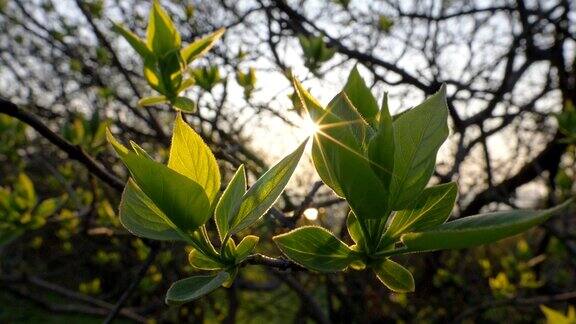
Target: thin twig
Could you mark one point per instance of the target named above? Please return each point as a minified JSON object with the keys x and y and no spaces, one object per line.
{"x":155,"y":248}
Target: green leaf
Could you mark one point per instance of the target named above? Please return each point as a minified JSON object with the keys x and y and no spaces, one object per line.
{"x":191,"y":157}
{"x":24,"y":188}
{"x":199,"y":47}
{"x":137,"y":44}
{"x":200,"y":261}
{"x":478,"y":229}
{"x":395,"y":276}
{"x":432,"y":209}
{"x":230,"y":201}
{"x":152,"y":101}
{"x":161,"y":35}
{"x":315,"y":248}
{"x":120,"y":149}
{"x":354,"y":229}
{"x":263,"y":194}
{"x":192,"y":288}
{"x":187,"y":83}
{"x":418,"y":134}
{"x":141,"y":217}
{"x":361,"y":96}
{"x":47,"y":207}
{"x":319,"y":116}
{"x":246,"y":247}
{"x":336,"y":150}
{"x":342,"y":108}
{"x":381,"y":147}
{"x":178,"y":197}
{"x":184,"y":104}
{"x":153,"y":76}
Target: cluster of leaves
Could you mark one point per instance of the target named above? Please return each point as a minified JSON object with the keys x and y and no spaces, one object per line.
{"x":381,"y":165}
{"x":557,"y":317}
{"x":12,"y":135}
{"x":88,"y":133}
{"x":165,"y":61}
{"x":247,"y":81}
{"x":21,"y":210}
{"x":175,"y":202}
{"x":316,"y":52}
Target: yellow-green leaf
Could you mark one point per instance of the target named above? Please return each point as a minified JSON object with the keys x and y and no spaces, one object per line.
{"x":161,"y":35}
{"x":191,"y":157}
{"x":201,"y":46}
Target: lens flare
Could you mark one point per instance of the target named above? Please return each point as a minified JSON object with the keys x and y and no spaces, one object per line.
{"x":311,"y":214}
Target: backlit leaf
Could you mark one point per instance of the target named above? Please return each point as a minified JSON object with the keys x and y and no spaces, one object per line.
{"x":478,"y":229}
{"x":418,"y":134}
{"x":230,"y":201}
{"x":192,"y":288}
{"x":395,"y":276}
{"x":263,"y":194}
{"x":315,"y":248}
{"x":191,"y":157}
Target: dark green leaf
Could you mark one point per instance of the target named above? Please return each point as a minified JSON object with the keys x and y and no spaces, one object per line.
{"x":263,"y":194}
{"x":192,"y":288}
{"x":245,"y":247}
{"x":432,"y":209}
{"x":418,"y":134}
{"x":200,"y":261}
{"x":141,"y":217}
{"x":478,"y":229}
{"x":381,"y":147}
{"x":315,"y":248}
{"x":361,"y":96}
{"x":184,"y":104}
{"x":395,"y":276}
{"x":230,"y":201}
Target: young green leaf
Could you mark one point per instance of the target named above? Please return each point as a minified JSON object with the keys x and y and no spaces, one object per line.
{"x":381,"y":147}
{"x":178,"y":197}
{"x":395,"y":276}
{"x":47,"y":207}
{"x":245,"y":247}
{"x":137,"y":44}
{"x":336,"y":150}
{"x":354,"y":229}
{"x":230,"y":201}
{"x":321,"y":117}
{"x":361,"y":96}
{"x":161,"y":35}
{"x":184,"y":104}
{"x":341,"y":107}
{"x":201,"y":46}
{"x":191,"y":157}
{"x":192,"y":288}
{"x":141,"y":217}
{"x":263,"y":194}
{"x":418,"y":134}
{"x":315,"y":248}
{"x":200,"y":261}
{"x":152,"y":101}
{"x":478,"y":229}
{"x":432,"y":209}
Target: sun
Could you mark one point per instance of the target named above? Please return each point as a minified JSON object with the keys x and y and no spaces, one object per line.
{"x":310,"y":128}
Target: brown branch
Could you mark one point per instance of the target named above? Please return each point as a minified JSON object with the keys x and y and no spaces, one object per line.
{"x":74,"y":152}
